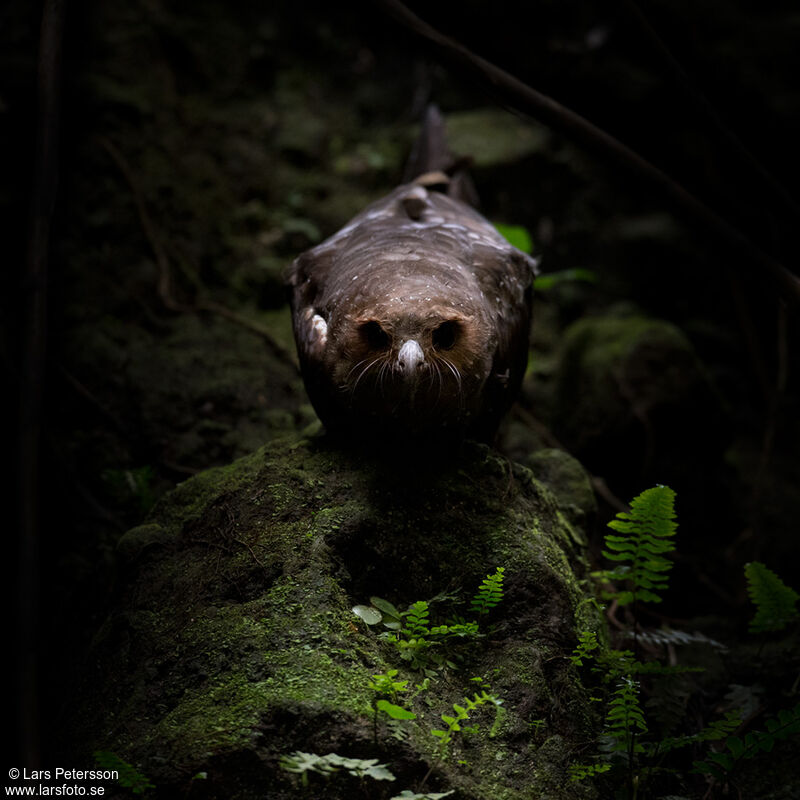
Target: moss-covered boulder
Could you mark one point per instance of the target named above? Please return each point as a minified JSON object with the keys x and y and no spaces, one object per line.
{"x":631,"y":389}
{"x":233,"y":641}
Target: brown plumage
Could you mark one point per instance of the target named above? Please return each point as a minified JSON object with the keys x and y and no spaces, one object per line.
{"x":413,"y":319}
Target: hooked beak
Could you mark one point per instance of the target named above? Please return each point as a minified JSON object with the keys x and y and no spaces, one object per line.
{"x":410,"y":358}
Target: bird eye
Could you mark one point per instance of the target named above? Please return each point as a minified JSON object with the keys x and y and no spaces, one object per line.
{"x":444,"y":337}
{"x":375,"y":336}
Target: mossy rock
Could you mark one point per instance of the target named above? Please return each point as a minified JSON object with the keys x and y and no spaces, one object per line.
{"x":233,"y":640}
{"x":633,"y":386}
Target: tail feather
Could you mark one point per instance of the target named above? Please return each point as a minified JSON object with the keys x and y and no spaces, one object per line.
{"x":433,"y":163}
{"x":430,"y":152}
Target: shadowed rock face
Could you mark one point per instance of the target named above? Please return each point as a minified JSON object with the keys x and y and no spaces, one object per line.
{"x":232,"y":640}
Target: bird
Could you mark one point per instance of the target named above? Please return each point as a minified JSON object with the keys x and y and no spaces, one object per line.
{"x":412,"y":322}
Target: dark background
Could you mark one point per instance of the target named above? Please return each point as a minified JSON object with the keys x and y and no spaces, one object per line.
{"x":214,"y":141}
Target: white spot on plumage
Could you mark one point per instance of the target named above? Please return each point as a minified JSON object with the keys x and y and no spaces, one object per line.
{"x":320,"y":329}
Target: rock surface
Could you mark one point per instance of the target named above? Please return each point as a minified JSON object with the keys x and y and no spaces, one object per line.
{"x":232,"y":640}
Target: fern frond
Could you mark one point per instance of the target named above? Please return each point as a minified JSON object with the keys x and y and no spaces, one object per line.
{"x":775,"y":602}
{"x":720,"y":764}
{"x":417,"y":619}
{"x":625,"y":718}
{"x":587,"y":642}
{"x":646,"y":537}
{"x":489,"y":593}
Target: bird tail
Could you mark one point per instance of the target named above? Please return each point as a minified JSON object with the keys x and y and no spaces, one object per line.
{"x":432,"y":164}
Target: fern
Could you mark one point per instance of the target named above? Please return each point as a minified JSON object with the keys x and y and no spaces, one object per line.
{"x":713,"y":732}
{"x":646,"y":537}
{"x":417,"y":619}
{"x":462,"y":713}
{"x":775,"y":602}
{"x":489,"y":593}
{"x":721,"y":763}
{"x":625,"y":718}
{"x":587,"y":642}
{"x":302,"y":763}
{"x":580,"y":772}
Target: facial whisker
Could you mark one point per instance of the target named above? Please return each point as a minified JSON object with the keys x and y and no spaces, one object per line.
{"x":364,"y":371}
{"x":354,"y":368}
{"x":382,"y":376}
{"x":441,"y":382}
{"x":454,"y":369}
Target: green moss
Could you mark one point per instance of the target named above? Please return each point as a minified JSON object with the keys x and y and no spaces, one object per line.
{"x":616,"y":374}
{"x":237,"y":618}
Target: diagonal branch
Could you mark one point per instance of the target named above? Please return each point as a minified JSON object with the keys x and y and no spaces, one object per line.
{"x":573,"y":126}
{"x":704,"y":106}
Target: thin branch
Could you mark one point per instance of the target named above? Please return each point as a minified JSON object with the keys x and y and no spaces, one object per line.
{"x":580,"y":130}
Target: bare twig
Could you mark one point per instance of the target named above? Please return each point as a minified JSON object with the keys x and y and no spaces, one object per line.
{"x":573,"y":126}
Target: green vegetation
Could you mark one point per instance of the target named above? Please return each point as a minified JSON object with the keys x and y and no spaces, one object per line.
{"x":546,"y":283}
{"x":462,"y":713}
{"x":415,"y":638}
{"x":775,"y":602}
{"x":302,"y":763}
{"x":721,"y":764}
{"x":425,"y":646}
{"x":516,"y":235}
{"x":643,"y":541}
{"x":129,"y":776}
{"x":489,"y":594}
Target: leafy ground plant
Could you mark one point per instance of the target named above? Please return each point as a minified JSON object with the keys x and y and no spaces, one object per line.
{"x":423,"y":645}
{"x":721,"y":764}
{"x":302,"y":764}
{"x":642,"y":542}
{"x":386,"y":690}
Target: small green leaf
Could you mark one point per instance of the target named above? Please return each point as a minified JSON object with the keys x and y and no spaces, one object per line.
{"x":785,"y":716}
{"x":385,"y":606}
{"x":370,"y":615}
{"x":395,"y":711}
{"x":543,"y":283}
{"x":516,"y":236}
{"x":766,"y":742}
{"x":735,"y":745}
